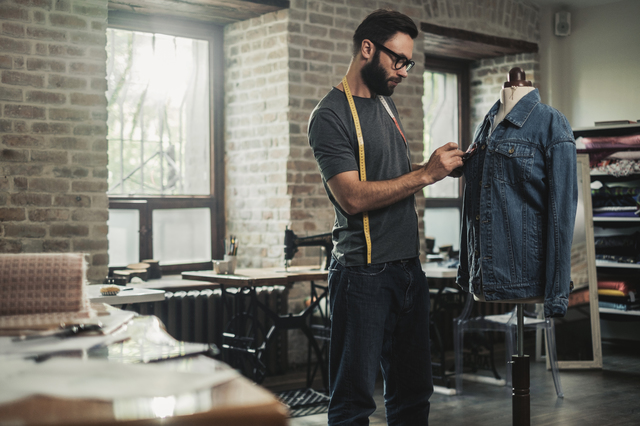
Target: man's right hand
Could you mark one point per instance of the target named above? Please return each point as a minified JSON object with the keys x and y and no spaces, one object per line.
{"x":443,"y":162}
{"x":356,"y":196}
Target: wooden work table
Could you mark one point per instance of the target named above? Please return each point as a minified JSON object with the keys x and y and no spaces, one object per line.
{"x":249,"y":280}
{"x":255,"y":277}
{"x":235,"y":401}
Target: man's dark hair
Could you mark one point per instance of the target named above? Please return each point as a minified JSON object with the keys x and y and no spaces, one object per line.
{"x":381,"y":25}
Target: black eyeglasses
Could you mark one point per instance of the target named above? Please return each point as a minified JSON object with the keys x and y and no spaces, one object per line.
{"x":401,"y":61}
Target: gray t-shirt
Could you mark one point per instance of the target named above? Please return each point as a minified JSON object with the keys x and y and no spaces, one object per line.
{"x":332,"y":135}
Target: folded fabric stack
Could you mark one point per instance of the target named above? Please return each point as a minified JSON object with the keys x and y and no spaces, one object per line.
{"x":618,"y":166}
{"x":621,"y":199}
{"x":42,"y":290}
{"x":610,"y":148}
{"x":620,"y":295}
{"x":618,"y":248}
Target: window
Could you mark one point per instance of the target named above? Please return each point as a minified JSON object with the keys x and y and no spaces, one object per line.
{"x":446,"y":119}
{"x":164,"y":133}
{"x":158,"y":114}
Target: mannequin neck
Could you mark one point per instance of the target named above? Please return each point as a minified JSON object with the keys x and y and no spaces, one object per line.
{"x":510,"y":96}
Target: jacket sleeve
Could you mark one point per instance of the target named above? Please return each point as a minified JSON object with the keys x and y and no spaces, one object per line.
{"x":562,"y":203}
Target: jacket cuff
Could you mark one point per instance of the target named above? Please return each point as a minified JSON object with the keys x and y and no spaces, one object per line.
{"x":556,"y":307}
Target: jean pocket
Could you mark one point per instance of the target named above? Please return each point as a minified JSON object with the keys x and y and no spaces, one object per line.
{"x":367,"y":270}
{"x":513,"y":162}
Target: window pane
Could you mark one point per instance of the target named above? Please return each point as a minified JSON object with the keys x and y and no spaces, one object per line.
{"x":443,"y":225}
{"x":182,"y":235}
{"x":123,"y":236}
{"x":158,"y":105}
{"x":440,"y":104}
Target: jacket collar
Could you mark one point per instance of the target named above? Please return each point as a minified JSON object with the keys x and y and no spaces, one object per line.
{"x":521,"y":111}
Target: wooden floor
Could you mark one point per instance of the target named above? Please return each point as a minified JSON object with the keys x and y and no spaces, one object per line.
{"x":610,"y":396}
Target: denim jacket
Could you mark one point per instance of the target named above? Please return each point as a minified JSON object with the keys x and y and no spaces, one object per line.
{"x":519,"y":207}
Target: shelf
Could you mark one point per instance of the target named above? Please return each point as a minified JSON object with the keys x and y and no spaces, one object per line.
{"x":617,"y":130}
{"x":616,"y":219}
{"x":606,"y":264}
{"x":596,"y":173}
{"x":619,"y":312}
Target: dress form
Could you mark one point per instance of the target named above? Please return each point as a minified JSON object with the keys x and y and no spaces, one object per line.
{"x":512,"y":91}
{"x":515,"y":88}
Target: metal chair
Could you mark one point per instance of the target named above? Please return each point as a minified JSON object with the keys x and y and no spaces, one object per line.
{"x":506,"y":323}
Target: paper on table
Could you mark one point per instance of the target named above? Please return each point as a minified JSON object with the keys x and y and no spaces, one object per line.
{"x":100,"y":379}
{"x":49,"y":345}
{"x":52,"y":345}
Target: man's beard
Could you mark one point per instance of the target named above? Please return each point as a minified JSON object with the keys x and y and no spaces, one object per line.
{"x":376,"y":78}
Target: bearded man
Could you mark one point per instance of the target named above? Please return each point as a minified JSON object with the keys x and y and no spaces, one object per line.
{"x":379,"y":297}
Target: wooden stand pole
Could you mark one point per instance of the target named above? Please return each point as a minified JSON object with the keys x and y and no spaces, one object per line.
{"x":521,"y":403}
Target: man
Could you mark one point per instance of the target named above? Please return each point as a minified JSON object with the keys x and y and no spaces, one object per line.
{"x":379,"y":297}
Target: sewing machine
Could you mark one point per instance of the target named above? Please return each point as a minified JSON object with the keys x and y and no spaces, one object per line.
{"x":292,"y":242}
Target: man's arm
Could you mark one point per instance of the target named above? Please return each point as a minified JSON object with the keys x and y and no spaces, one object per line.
{"x":356,"y":197}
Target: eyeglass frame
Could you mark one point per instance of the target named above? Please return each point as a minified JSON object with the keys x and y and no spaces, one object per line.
{"x":408,"y":63}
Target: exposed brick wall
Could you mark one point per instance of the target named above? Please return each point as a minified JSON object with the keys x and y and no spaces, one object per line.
{"x":257,"y":137}
{"x":488,"y":76}
{"x":53,"y":150}
{"x":503,"y":18}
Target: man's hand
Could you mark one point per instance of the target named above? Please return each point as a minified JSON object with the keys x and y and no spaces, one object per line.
{"x":355,"y":196}
{"x":442,"y":162}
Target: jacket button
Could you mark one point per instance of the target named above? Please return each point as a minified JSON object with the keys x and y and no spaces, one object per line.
{"x":483,"y":146}
{"x":511,"y":151}
{"x":477,"y":217}
{"x":476,"y":252}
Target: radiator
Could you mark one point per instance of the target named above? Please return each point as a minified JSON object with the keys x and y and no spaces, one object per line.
{"x":193,"y":316}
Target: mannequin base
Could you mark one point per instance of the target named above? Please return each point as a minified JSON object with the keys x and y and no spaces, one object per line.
{"x":521,"y":402}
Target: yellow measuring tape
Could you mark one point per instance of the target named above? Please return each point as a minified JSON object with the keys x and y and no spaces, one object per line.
{"x":363,"y":171}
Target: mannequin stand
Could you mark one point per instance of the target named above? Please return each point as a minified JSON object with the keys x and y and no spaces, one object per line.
{"x":521,"y":403}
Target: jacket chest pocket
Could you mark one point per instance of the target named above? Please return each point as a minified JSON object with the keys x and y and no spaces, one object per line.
{"x":513,"y":162}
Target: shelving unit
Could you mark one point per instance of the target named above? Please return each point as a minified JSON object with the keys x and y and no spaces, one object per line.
{"x":614,"y":225}
{"x":618,"y":219}
{"x":605,"y":264}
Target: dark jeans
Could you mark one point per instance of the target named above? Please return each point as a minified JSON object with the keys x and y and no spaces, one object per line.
{"x":379,"y":318}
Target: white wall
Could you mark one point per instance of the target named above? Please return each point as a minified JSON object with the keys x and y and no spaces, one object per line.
{"x":594,"y":73}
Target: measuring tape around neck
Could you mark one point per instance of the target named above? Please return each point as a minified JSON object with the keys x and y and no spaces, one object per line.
{"x":363,"y":172}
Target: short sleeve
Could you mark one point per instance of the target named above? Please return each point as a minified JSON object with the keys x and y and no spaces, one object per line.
{"x":332,"y":145}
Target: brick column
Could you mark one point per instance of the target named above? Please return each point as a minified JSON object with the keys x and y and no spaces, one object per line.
{"x":53,"y":147}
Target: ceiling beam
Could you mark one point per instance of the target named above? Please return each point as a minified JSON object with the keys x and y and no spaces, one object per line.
{"x":463,"y":44}
{"x":215,"y":11}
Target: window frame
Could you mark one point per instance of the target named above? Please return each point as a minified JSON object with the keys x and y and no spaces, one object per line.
{"x":460,"y":67}
{"x":215,"y":201}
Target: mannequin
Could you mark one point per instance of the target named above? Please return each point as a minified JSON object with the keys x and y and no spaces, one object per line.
{"x":515,"y":88}
{"x":520,"y":200}
{"x":519,"y":206}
